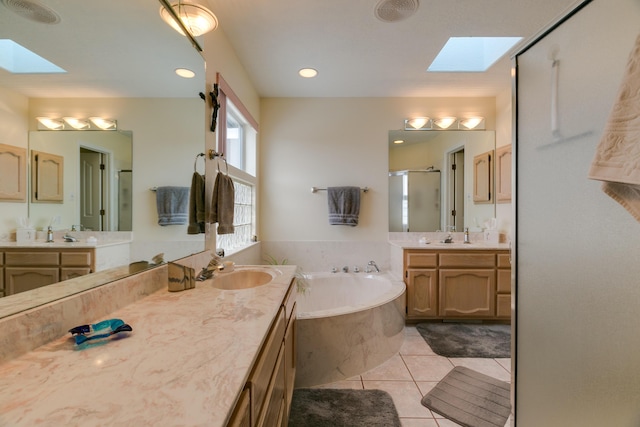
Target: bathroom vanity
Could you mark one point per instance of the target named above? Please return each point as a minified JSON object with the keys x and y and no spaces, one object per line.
{"x":203,"y":356}
{"x":457,"y":281}
{"x":24,"y":267}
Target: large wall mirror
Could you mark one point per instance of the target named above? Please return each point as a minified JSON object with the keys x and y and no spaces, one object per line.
{"x":120,"y":60}
{"x":434,"y":177}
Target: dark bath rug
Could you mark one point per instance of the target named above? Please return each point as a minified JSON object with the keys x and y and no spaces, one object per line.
{"x":467,"y":340}
{"x":322,"y":407}
{"x":470,"y":398}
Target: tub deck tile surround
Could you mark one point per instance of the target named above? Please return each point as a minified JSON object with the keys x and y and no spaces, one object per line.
{"x":185,"y":362}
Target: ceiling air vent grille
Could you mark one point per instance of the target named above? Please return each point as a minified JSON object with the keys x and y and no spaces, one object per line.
{"x":32,"y":10}
{"x":395,"y":10}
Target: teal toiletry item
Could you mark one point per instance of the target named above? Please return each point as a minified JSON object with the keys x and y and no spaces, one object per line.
{"x":99,"y":330}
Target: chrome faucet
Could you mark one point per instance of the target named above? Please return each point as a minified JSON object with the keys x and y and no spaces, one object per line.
{"x":214,"y":265}
{"x":371,"y":267}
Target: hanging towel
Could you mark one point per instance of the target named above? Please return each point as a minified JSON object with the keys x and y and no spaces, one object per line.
{"x":344,"y":205}
{"x":617,"y":158}
{"x":196,"y":205}
{"x":222,"y":203}
{"x":172,"y":204}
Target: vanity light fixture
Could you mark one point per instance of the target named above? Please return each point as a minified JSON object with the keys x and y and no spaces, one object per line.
{"x":444,"y":122}
{"x":77,"y":124}
{"x":197,"y":19}
{"x":471,"y":123}
{"x":308,"y":72}
{"x":417,"y":123}
{"x":50,"y":124}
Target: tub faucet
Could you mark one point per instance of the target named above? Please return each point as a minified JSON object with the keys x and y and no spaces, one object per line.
{"x":371,"y":267}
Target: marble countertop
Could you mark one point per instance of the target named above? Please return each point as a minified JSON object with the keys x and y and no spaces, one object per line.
{"x":61,"y":244}
{"x":185,"y":362}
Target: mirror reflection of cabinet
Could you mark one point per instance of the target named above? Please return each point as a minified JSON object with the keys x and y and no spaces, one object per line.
{"x":482,"y":178}
{"x":503,"y":174}
{"x":47,"y":183}
{"x":13,"y":173}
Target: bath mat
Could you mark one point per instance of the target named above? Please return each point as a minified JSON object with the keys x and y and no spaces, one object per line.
{"x":470,"y":398}
{"x":321,"y":407}
{"x":467,"y":339}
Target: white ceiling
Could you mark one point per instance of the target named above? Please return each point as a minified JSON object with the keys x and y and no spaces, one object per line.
{"x":121,"y":48}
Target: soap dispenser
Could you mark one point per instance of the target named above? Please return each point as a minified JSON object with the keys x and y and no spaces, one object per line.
{"x":49,"y":235}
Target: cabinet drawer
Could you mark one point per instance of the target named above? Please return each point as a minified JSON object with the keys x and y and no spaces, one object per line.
{"x":265,"y":365}
{"x":32,"y":258}
{"x":1,"y":258}
{"x":467,"y":260}
{"x":503,"y":261}
{"x":421,"y":259}
{"x":75,"y":259}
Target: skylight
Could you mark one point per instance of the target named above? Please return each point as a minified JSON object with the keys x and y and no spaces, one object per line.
{"x":20,"y":60}
{"x":471,"y":54}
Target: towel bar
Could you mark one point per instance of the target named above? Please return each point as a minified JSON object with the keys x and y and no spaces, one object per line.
{"x":316,"y":189}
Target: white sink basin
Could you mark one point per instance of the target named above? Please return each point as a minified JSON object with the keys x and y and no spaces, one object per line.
{"x":241,"y":279}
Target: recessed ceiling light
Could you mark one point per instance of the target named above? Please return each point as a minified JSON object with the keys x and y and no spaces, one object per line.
{"x":184,"y":72}
{"x":20,"y":60}
{"x":308,"y":72}
{"x":398,"y":141}
{"x":471,"y":54}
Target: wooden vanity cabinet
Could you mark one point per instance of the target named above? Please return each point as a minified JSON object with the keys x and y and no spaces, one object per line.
{"x":266,"y":398}
{"x":2,"y":274}
{"x":457,"y":284}
{"x":27,"y":269}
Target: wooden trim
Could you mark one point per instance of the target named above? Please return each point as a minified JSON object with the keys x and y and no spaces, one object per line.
{"x":224,"y":87}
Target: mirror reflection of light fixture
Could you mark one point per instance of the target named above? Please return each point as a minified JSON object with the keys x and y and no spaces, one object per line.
{"x":471,"y":123}
{"x":77,"y":124}
{"x":417,"y":123}
{"x":444,"y":122}
{"x":74,"y":123}
{"x":197,"y":19}
{"x":51,"y":124}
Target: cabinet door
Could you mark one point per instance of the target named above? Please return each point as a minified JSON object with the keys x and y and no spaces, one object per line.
{"x":483,"y":178}
{"x":467,"y":293}
{"x":13,"y":173}
{"x":67,"y":273}
{"x":20,"y":279}
{"x":47,"y":177}
{"x":503,"y":174}
{"x":422,"y":298}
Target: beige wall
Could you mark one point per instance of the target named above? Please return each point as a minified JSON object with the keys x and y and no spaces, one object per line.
{"x":307,"y":142}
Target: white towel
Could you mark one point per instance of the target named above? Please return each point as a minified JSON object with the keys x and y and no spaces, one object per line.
{"x":617,"y":158}
{"x":172,"y":204}
{"x":344,"y":205}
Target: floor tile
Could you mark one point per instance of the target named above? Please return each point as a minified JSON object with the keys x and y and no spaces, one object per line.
{"x":392,"y":369}
{"x":346,"y":384}
{"x":428,"y":368}
{"x":405,"y":395}
{"x":415,"y":345}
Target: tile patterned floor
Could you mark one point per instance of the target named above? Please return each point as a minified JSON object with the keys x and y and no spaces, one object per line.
{"x":410,"y":375}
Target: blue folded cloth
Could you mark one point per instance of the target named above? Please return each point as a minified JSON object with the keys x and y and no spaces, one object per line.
{"x":173,"y":205}
{"x":344,"y":205}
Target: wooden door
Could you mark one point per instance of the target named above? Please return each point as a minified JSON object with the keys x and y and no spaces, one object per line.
{"x":91,"y":194}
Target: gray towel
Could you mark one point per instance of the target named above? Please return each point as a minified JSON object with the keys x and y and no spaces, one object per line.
{"x":344,"y":205}
{"x":222,"y":203}
{"x":172,"y":204}
{"x":196,"y":205}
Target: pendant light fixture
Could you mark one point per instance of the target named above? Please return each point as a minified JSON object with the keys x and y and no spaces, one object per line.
{"x":196,"y":18}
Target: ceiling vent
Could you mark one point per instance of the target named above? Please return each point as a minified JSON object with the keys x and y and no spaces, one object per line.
{"x":32,"y":10}
{"x":395,"y":10}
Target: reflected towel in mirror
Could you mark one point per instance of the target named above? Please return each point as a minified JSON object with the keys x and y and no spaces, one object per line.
{"x":344,"y":205}
{"x":196,"y":205}
{"x":172,"y":204}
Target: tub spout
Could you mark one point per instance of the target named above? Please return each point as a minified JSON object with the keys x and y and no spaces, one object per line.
{"x":371,"y":267}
